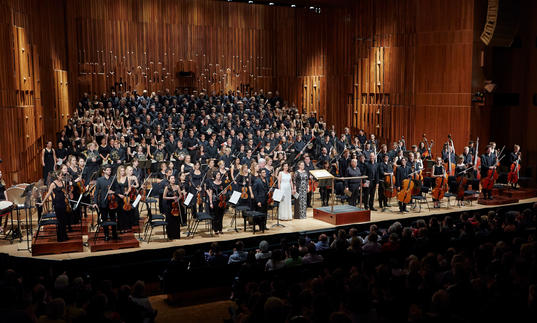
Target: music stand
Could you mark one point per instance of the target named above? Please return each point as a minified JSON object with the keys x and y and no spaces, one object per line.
{"x":277,"y":197}
{"x":322,"y":175}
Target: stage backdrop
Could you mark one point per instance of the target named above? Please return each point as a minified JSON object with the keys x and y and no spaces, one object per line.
{"x":394,"y":68}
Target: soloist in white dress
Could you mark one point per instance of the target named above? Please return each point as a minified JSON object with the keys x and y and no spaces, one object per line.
{"x":284,"y":209}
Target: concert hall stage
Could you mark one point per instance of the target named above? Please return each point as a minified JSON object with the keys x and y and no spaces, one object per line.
{"x":160,"y":245}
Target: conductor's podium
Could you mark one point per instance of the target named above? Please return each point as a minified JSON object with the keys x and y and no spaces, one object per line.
{"x":341,"y":214}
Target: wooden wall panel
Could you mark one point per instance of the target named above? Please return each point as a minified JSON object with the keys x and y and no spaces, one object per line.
{"x":33,"y":34}
{"x":394,"y":68}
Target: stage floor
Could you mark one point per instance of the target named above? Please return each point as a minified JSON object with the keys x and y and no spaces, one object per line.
{"x":158,"y":241}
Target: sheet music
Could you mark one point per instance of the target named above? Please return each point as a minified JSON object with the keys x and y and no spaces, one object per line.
{"x":235,"y":196}
{"x":277,"y":195}
{"x":188,"y":199}
{"x":136,"y":201}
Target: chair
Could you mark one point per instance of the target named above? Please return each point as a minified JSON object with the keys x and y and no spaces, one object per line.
{"x":241,"y":209}
{"x":202,"y":217}
{"x":150,"y":219}
{"x":449,"y":195}
{"x":256,"y":216}
{"x":418,"y":200}
{"x":157,"y":221}
{"x":470,"y":193}
{"x":46,"y":219}
{"x":101,"y":224}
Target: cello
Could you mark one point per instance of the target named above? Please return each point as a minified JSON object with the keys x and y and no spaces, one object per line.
{"x":405,"y":194}
{"x":441,"y":187}
{"x":512,"y":177}
{"x":389,"y":186}
{"x":492,"y":175}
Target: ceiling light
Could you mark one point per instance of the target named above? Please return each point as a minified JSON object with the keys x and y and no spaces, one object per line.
{"x":271,"y":4}
{"x":293,"y":6}
{"x":312,"y":7}
{"x":250,"y":2}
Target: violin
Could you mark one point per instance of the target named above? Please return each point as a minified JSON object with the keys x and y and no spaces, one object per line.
{"x":113,"y":202}
{"x":129,"y":197}
{"x":175,"y":211}
{"x":312,"y":185}
{"x":244,"y":194}
{"x":512,"y":177}
{"x":67,"y":204}
{"x":81,"y":186}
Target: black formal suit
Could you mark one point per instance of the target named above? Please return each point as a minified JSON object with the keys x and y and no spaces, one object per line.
{"x":260,"y":190}
{"x":372,"y":173}
{"x":100,"y":198}
{"x":353,"y":184}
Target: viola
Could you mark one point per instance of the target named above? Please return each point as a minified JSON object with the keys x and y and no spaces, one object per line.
{"x":441,"y":187}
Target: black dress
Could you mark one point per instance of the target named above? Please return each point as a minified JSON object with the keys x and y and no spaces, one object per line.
{"x":60,"y":208}
{"x":124,"y":217}
{"x":217,"y":212}
{"x":173,"y":227}
{"x":49,"y":163}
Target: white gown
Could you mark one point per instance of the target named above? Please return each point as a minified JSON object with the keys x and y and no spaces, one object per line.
{"x":284,"y":209}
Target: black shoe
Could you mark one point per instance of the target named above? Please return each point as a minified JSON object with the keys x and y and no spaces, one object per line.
{"x":406,"y":211}
{"x":388,"y":205}
{"x":373,"y":209}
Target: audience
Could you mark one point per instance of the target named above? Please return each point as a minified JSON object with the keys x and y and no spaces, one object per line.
{"x":472,"y":268}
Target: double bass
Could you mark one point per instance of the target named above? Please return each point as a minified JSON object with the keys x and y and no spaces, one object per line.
{"x":428,"y":145}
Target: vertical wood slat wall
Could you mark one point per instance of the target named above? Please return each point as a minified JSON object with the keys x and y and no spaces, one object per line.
{"x":31,"y":32}
{"x":325,"y":63}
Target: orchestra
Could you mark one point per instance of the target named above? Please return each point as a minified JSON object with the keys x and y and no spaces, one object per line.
{"x":210,"y":146}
